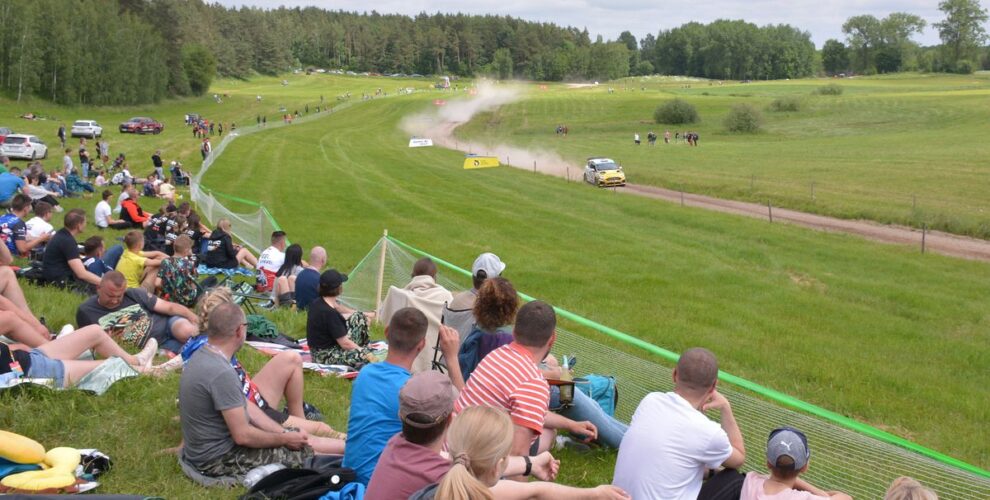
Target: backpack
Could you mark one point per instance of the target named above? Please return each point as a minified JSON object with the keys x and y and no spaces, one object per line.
{"x":300,"y":484}
{"x":602,"y":389}
{"x":469,"y":355}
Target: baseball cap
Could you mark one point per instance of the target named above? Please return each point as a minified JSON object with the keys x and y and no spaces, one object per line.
{"x":789,"y":442}
{"x":490,"y":263}
{"x":331,"y":278}
{"x":428,"y":393}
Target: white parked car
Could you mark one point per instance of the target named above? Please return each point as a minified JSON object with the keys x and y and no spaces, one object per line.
{"x":27,"y":147}
{"x":86,"y":128}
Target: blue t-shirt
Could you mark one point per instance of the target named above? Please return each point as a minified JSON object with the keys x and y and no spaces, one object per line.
{"x":96,"y":266}
{"x":307,"y":284}
{"x":12,"y":230}
{"x":9,"y":184}
{"x":374,"y":416}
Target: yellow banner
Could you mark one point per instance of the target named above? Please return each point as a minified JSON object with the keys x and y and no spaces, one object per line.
{"x":472,"y":162}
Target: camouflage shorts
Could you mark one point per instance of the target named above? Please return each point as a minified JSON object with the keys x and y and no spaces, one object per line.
{"x":239,"y":460}
{"x":357,"y":330}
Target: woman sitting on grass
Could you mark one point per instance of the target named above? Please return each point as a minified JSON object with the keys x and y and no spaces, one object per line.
{"x":284,"y":290}
{"x":222,"y":253}
{"x":334,"y":340}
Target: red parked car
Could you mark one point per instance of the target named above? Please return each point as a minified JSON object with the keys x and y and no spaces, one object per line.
{"x":4,"y":132}
{"x":141,"y":125}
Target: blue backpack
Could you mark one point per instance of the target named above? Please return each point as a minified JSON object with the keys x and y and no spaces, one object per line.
{"x":602,"y":389}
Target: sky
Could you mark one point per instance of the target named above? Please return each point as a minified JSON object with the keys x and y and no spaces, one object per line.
{"x":823,"y":18}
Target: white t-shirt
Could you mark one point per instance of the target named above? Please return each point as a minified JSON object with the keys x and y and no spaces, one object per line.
{"x":166,"y":190}
{"x":37,"y":227}
{"x":102,"y":213}
{"x":667,"y":448}
{"x":271,"y":259}
{"x":120,"y":199}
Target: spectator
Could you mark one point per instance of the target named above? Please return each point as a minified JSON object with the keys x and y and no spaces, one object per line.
{"x":61,"y":134}
{"x":137,"y":314}
{"x":494,"y":313}
{"x":423,"y":293}
{"x":40,"y":226}
{"x":220,"y":439}
{"x":178,"y":274}
{"x":906,"y":488}
{"x":10,"y":184}
{"x":39,"y":193}
{"x":332,"y":339}
{"x":480,"y":440}
{"x":158,"y":164}
{"x":13,"y":230}
{"x":374,"y":415}
{"x":284,"y":291}
{"x":93,"y":253}
{"x":166,"y":191}
{"x":671,"y":443}
{"x":130,"y":211}
{"x":154,"y":230}
{"x":139,"y":268}
{"x":175,"y":226}
{"x":14,"y":307}
{"x":101,"y":179}
{"x":84,"y":161}
{"x":787,"y":458}
{"x":459,"y":313}
{"x":271,"y":259}
{"x":308,"y":280}
{"x":67,"y":165}
{"x":222,"y":253}
{"x":61,"y":264}
{"x":509,"y":379}
{"x":104,"y":215}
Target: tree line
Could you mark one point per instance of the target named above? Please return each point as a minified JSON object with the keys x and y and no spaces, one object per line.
{"x":137,"y":51}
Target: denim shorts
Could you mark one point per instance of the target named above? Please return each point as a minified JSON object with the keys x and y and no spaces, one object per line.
{"x":44,"y":367}
{"x":170,"y":343}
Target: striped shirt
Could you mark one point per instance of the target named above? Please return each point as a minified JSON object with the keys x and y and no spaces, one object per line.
{"x":508,"y":378}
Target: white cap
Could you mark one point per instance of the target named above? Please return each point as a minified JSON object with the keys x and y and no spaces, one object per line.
{"x":490,"y":263}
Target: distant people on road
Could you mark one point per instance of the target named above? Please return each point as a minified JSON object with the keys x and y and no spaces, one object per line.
{"x":636,"y":138}
{"x":666,"y":137}
{"x":652,"y":138}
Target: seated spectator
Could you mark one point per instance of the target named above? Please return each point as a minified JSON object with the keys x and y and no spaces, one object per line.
{"x":131,"y":212}
{"x":178,"y":274}
{"x":61,"y":264}
{"x":101,"y":179}
{"x":58,"y":359}
{"x":166,"y":191}
{"x":906,"y":488}
{"x":93,"y":256}
{"x":219,"y":438}
{"x":104,"y":214}
{"x":221,"y":252}
{"x":151,"y":186}
{"x":494,"y":312}
{"x":122,"y":196}
{"x":670,"y":443}
{"x":480,"y":441}
{"x":459,"y":313}
{"x":39,"y":227}
{"x":154,"y":230}
{"x":17,"y":322}
{"x":75,"y":185}
{"x":10,"y":184}
{"x":509,"y":379}
{"x":13,"y":230}
{"x":139,"y":268}
{"x":198,"y":231}
{"x":308,"y":280}
{"x":133,"y":312}
{"x":284,"y":291}
{"x":271,"y":259}
{"x":179,"y":178}
{"x":38,"y":193}
{"x":332,"y":339}
{"x":787,"y":458}
{"x":175,"y":226}
{"x":424,"y":294}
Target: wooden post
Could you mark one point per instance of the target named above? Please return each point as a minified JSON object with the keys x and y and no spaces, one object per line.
{"x":924,"y":232}
{"x":769,"y":211}
{"x":682,"y":198}
{"x":752,"y":182}
{"x":381,"y":272}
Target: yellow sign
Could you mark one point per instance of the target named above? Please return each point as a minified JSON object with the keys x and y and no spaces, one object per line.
{"x":472,"y":162}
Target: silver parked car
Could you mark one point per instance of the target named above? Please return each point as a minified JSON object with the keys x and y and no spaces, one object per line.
{"x":86,"y":128}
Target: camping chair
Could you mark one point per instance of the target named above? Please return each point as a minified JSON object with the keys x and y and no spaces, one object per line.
{"x":438,"y":363}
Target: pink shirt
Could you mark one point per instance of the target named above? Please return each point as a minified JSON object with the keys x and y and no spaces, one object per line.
{"x":753,"y":490}
{"x":403,"y":469}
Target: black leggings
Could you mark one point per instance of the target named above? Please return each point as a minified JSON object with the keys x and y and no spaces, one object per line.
{"x":47,"y":199}
{"x":725,"y":485}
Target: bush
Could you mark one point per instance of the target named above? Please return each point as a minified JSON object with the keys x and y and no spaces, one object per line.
{"x":965,"y":67}
{"x":744,"y":118}
{"x":830,"y":89}
{"x":784,"y":104}
{"x":676,"y":112}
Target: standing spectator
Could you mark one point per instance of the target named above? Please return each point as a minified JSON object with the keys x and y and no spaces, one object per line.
{"x":206,"y":148}
{"x":220,"y":129}
{"x":84,"y":161}
{"x":67,"y":165}
{"x":666,"y":137}
{"x":636,"y":138}
{"x":61,"y":134}
{"x":670,"y":443}
{"x":61,"y":264}
{"x":103,"y":148}
{"x":156,"y":161}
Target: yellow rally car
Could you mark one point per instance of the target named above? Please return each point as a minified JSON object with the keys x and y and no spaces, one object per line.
{"x":604,"y":172}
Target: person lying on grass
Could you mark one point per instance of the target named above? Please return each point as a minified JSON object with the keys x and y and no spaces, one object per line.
{"x":58,"y":359}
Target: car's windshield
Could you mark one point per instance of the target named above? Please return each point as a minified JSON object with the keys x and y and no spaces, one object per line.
{"x":608,"y":165}
{"x":14,"y":140}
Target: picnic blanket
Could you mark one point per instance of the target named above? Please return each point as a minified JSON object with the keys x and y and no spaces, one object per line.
{"x":380,"y":348}
{"x":240,"y":271}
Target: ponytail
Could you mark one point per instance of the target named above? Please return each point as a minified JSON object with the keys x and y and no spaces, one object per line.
{"x":460,"y":484}
{"x":479,"y":440}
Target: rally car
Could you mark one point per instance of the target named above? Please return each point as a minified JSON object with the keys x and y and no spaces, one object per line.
{"x":604,"y":172}
{"x":141,"y":125}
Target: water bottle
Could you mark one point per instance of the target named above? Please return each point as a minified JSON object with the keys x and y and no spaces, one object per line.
{"x":258,"y":473}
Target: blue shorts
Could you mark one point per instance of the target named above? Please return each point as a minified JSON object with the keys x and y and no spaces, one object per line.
{"x":170,"y":343}
{"x":44,"y":367}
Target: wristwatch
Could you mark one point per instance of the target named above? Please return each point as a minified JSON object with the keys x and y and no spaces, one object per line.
{"x":529,"y":465}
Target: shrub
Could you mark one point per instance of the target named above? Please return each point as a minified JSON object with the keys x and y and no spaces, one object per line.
{"x":676,"y":112}
{"x":830,"y":89}
{"x":744,"y":118}
{"x":965,"y":67}
{"x":784,"y":104}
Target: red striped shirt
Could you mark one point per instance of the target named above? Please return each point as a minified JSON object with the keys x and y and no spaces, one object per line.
{"x":508,"y":378}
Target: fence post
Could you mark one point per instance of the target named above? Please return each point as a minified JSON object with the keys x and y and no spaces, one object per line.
{"x":381,"y":273}
{"x":924,"y":232}
{"x":752,"y":182}
{"x":914,"y":203}
{"x":769,"y":211}
{"x":682,"y":197}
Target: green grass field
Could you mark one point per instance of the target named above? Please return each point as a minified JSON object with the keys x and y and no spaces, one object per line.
{"x":908,"y":149}
{"x":875,"y":332}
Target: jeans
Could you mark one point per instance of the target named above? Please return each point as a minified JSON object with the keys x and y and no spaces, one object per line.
{"x":610,"y":430}
{"x":85,"y":169}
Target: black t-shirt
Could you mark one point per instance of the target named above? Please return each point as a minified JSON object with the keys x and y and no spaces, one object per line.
{"x":58,"y":252}
{"x":324,"y":325}
{"x":220,"y":252}
{"x":7,"y":357}
{"x":156,"y":161}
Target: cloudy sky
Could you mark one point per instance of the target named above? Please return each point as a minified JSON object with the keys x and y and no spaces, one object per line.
{"x":823,"y":18}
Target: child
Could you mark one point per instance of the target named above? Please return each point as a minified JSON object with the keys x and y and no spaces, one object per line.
{"x":39,"y":227}
{"x":787,"y":458}
{"x":139,"y":267}
{"x":178,"y":273}
{"x":93,"y":253}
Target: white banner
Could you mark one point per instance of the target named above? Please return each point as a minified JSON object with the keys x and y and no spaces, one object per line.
{"x":420,"y":143}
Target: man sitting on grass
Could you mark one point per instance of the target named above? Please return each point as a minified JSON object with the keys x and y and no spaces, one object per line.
{"x":61,"y":264}
{"x":93,"y":256}
{"x":308,"y":280}
{"x":39,"y":229}
{"x":140,"y":268}
{"x":132,"y":312}
{"x":271,"y":259}
{"x":219,"y":438}
{"x":13,"y":229}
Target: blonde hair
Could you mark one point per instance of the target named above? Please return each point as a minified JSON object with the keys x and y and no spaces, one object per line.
{"x":906,"y":488}
{"x":224,"y":224}
{"x":208,"y":301}
{"x":478,"y":440}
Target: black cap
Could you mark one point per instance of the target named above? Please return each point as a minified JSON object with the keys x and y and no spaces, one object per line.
{"x":331,"y":279}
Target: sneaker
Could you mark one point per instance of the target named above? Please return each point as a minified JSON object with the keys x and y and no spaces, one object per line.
{"x":58,"y":208}
{"x":167,"y":367}
{"x":66,"y":330}
{"x":147,"y":355}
